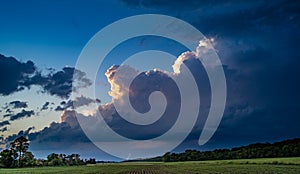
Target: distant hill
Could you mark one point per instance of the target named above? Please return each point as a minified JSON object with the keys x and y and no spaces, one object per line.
{"x":287,"y":148}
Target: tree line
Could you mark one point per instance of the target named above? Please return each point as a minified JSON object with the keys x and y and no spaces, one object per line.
{"x":287,"y":148}
{"x":19,"y":156}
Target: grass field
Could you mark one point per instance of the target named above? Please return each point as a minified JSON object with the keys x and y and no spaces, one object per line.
{"x":265,"y":165}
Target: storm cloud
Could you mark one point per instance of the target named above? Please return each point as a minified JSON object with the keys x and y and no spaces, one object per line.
{"x":257,"y":41}
{"x":4,"y":123}
{"x":76,"y":103}
{"x":3,"y":129}
{"x":18,"y":104}
{"x":45,"y":106}
{"x":60,"y":83}
{"x":21,"y":114}
{"x":13,"y":74}
{"x":68,"y":132}
{"x":16,"y":76}
{"x":144,"y":84}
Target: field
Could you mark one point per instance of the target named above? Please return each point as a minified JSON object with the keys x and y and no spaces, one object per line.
{"x":265,"y":165}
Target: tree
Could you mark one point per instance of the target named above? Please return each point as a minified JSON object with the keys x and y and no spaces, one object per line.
{"x":54,"y":160}
{"x":20,"y":146}
{"x":74,"y":159}
{"x":166,"y":157}
{"x":90,"y":161}
{"x":28,"y":159}
{"x":7,"y":158}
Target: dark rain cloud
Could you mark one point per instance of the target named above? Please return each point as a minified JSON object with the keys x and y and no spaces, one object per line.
{"x":83,"y":101}
{"x":65,"y":105}
{"x":60,"y":83}
{"x":64,"y":134}
{"x":257,"y":41}
{"x":242,"y":121}
{"x":8,"y":111}
{"x":78,"y":102}
{"x":69,"y":133}
{"x":13,"y":73}
{"x":16,"y":76}
{"x":4,"y":123}
{"x":22,"y":114}
{"x":45,"y":106}
{"x":3,"y":129}
{"x":63,"y":137}
{"x":140,"y":89}
{"x":18,"y":104}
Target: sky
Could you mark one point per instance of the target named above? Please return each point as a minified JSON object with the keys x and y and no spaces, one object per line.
{"x":41,"y":41}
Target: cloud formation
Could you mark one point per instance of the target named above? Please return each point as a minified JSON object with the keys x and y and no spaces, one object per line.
{"x":78,"y":102}
{"x":3,"y":129}
{"x":60,"y":83}
{"x":150,"y":81}
{"x":22,"y":114}
{"x":68,"y":131}
{"x":139,"y":91}
{"x":18,"y":104}
{"x":45,"y":106}
{"x":13,"y":74}
{"x":4,"y":123}
{"x":16,"y":76}
{"x":257,"y":41}
{"x":63,"y":135}
{"x":65,"y":105}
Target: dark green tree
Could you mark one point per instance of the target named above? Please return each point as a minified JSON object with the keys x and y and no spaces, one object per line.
{"x":20,"y":146}
{"x":166,"y":157}
{"x":90,"y":161}
{"x":54,"y":160}
{"x":28,"y":159}
{"x":7,"y":159}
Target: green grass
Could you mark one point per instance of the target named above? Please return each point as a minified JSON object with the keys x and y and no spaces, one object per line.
{"x":264,"y":165}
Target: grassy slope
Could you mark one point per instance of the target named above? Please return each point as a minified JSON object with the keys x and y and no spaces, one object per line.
{"x":267,"y":165}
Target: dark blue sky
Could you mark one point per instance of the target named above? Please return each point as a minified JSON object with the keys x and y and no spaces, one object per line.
{"x":49,"y":31}
{"x":257,"y":43}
